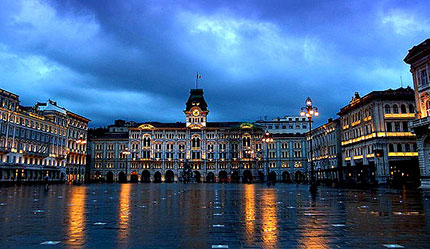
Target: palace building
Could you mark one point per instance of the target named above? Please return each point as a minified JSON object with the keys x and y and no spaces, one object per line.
{"x":39,"y":142}
{"x":418,"y":58}
{"x":326,"y":151}
{"x":214,"y":151}
{"x":377,"y":142}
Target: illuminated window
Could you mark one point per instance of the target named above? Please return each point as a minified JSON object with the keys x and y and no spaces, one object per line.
{"x":297,"y":164}
{"x":428,"y":107}
{"x":424,"y":79}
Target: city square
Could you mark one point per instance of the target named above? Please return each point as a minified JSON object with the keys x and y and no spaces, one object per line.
{"x":170,"y":215}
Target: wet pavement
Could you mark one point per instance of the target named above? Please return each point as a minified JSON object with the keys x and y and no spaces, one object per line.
{"x":211,"y":216}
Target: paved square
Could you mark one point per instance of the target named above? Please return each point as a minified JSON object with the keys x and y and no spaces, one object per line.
{"x":211,"y":216}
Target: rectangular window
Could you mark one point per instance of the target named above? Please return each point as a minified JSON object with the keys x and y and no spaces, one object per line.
{"x":389,"y":127}
{"x":405,"y":126}
{"x":396,"y":126}
{"x":424,"y":79}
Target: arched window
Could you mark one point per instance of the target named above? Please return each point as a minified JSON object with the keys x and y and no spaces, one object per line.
{"x":407,"y":148}
{"x":411,"y":108}
{"x":395,"y":109}
{"x":403,"y":108}
{"x":390,"y":148}
{"x":195,"y":142}
{"x":399,"y":148}
{"x":146,"y":141}
{"x":387,"y":109}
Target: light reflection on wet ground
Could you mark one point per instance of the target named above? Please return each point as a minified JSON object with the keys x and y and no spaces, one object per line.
{"x":211,"y":215}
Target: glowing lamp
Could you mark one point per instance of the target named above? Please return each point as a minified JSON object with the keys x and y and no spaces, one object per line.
{"x":308,"y":101}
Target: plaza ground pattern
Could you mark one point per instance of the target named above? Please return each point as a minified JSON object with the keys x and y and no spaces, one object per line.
{"x":211,"y":216}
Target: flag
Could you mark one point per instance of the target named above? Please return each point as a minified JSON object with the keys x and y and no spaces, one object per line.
{"x":199,"y":76}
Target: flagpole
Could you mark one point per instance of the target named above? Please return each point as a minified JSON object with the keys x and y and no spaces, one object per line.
{"x":197,"y":79}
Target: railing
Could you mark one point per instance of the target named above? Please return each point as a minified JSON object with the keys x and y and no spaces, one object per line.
{"x":421,"y":122}
{"x":5,"y":149}
{"x":35,"y":153}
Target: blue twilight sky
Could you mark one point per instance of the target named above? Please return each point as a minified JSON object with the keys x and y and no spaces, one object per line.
{"x":137,"y":59}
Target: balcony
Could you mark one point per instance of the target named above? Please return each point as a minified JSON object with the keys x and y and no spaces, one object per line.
{"x":35,"y":153}
{"x":5,"y":150}
{"x":421,"y":122}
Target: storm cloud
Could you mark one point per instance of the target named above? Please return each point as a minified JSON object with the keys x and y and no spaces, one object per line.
{"x":137,"y":60}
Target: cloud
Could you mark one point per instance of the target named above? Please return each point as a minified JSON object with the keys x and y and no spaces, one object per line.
{"x":137,"y":59}
{"x":406,"y":24}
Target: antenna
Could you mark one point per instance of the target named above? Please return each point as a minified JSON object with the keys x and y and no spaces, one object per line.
{"x":401,"y":81}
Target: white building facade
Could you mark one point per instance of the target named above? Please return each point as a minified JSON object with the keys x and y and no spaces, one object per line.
{"x":35,"y":142}
{"x":419,"y":59}
{"x":378,"y":145}
{"x":327,"y":152}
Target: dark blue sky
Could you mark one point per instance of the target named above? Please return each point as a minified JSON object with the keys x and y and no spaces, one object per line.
{"x":137,"y":60}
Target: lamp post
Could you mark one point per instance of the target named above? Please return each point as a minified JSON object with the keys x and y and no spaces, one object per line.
{"x":126,"y":152}
{"x":267,"y":139}
{"x":82,"y":141}
{"x":310,"y":111}
{"x":249,"y":154}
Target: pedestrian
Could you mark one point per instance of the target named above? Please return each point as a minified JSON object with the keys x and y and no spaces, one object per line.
{"x":46,"y":183}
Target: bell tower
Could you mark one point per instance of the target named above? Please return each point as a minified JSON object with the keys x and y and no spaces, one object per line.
{"x":196,"y":110}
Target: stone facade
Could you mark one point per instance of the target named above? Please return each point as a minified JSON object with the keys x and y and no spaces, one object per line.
{"x":419,"y":59}
{"x":285,"y":125}
{"x":39,"y":141}
{"x":215,"y":151}
{"x":377,"y":143}
{"x":327,"y":151}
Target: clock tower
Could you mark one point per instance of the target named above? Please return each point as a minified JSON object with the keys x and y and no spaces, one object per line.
{"x":196,"y":110}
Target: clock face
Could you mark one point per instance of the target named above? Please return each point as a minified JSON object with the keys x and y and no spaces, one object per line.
{"x":196,"y":112}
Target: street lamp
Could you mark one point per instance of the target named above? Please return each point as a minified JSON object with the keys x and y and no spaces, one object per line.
{"x":126,"y":152}
{"x":310,"y":111}
{"x":267,"y":139}
{"x":249,"y":152}
{"x":82,"y":141}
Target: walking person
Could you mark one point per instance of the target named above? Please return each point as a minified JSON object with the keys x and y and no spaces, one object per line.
{"x":46,"y":179}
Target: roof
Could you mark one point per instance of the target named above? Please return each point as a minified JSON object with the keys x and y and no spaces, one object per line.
{"x":287,"y":135}
{"x":183,"y":125}
{"x":74,"y":115}
{"x":111,"y":136}
{"x":50,"y":106}
{"x":390,"y":94}
{"x":417,"y":52}
{"x":8,"y":94}
{"x":222,"y":124}
{"x":196,"y":99}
